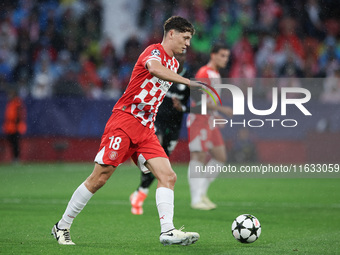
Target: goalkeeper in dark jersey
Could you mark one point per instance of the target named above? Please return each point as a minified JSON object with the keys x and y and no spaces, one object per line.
{"x":168,"y":124}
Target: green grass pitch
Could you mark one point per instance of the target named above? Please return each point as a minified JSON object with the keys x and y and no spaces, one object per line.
{"x":298,"y":216}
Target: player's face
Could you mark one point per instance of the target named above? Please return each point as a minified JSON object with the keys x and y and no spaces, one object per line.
{"x":181,"y":41}
{"x":221,"y":58}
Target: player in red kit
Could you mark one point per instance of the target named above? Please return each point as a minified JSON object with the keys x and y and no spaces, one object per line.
{"x":130,"y":132}
{"x":167,"y":125}
{"x":204,"y":138}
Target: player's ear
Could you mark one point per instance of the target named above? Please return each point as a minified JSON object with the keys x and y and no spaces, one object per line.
{"x":171,"y":33}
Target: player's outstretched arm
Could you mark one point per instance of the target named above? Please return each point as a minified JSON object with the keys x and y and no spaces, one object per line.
{"x":222,"y":109}
{"x":160,"y":71}
{"x":157,"y":69}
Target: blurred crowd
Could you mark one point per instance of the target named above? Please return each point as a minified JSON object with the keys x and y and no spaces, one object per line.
{"x":56,"y":48}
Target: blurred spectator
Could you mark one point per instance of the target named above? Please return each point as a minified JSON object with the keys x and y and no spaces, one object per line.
{"x":287,"y":58}
{"x":45,"y":65}
{"x":22,"y":12}
{"x":66,"y":76}
{"x":63,"y":64}
{"x":312,"y":20}
{"x":45,"y":48}
{"x":329,"y":58}
{"x":289,"y":38}
{"x":42,"y":87}
{"x":269,"y":12}
{"x":265,"y":55}
{"x":88,"y":77}
{"x":32,"y":27}
{"x":5,"y":69}
{"x":247,"y":12}
{"x":114,"y":87}
{"x":15,"y":122}
{"x":132,"y":49}
{"x":8,"y":33}
{"x":7,"y":53}
{"x":183,"y":9}
{"x":109,"y":60}
{"x":44,"y":77}
{"x":290,"y":65}
{"x":331,"y":93}
{"x":23,"y":69}
{"x":243,"y":60}
{"x":199,"y":10}
{"x":311,"y":68}
{"x":225,"y":30}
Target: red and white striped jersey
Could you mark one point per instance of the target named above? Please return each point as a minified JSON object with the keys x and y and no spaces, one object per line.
{"x":145,"y":92}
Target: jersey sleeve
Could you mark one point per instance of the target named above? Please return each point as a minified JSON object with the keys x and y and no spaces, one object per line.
{"x":151,"y":53}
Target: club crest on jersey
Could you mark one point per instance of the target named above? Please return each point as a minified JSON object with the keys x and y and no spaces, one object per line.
{"x":113,"y":155}
{"x":155,"y":52}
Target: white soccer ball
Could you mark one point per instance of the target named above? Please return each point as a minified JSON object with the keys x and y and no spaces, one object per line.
{"x":246,"y":228}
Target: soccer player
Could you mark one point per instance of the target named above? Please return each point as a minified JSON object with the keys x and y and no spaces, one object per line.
{"x":203,"y":137}
{"x":130,"y":132}
{"x":167,"y":125}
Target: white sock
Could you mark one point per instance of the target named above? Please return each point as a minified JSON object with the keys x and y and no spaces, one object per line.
{"x":195,"y":181}
{"x":214,"y":163}
{"x":165,"y":207}
{"x":78,"y":201}
{"x":210,"y":177}
{"x":144,"y":190}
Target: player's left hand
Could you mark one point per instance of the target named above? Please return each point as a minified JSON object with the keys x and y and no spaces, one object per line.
{"x":226,"y":110}
{"x":197,"y":84}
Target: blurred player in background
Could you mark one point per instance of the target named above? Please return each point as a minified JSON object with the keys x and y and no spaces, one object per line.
{"x":168,"y":125}
{"x":15,"y":122}
{"x":130,"y":132}
{"x":204,"y":139}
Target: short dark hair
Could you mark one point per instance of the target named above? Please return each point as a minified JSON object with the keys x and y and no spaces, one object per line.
{"x":218,"y":46}
{"x":179,"y":24}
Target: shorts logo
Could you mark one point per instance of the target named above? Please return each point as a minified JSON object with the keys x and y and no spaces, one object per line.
{"x":113,"y":155}
{"x":155,"y":52}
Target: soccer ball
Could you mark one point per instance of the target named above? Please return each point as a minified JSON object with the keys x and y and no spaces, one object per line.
{"x":246,"y":228}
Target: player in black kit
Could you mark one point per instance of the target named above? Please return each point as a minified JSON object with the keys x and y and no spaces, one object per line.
{"x":168,"y":124}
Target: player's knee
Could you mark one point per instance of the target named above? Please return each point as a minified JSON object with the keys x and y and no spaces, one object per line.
{"x":94,"y":184}
{"x":168,"y":179}
{"x":222,"y":157}
{"x":172,"y":178}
